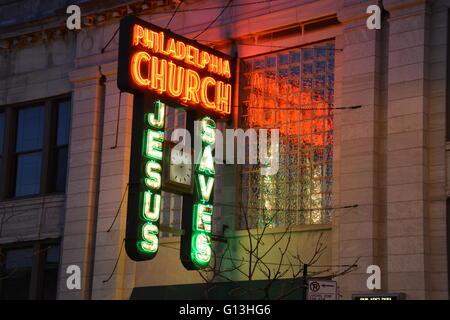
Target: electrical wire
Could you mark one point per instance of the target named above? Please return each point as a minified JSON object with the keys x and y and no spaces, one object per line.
{"x":265,"y":45}
{"x":106,"y":46}
{"x":305,"y":109}
{"x":277,"y":263}
{"x":115,"y":265}
{"x":219,"y":7}
{"x":118,"y":210}
{"x":280,"y":209}
{"x":118,"y":121}
{"x":174,"y":13}
{"x":212,"y":22}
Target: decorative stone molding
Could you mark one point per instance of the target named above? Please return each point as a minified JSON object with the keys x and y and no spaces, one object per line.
{"x":51,"y":29}
{"x":354,"y":11}
{"x":85,"y":76}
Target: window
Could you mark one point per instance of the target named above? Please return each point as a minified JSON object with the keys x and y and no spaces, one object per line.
{"x":171,"y":205}
{"x":29,"y":143}
{"x":292,"y":91}
{"x":62,"y":143}
{"x":34,"y":148}
{"x":30,"y":271}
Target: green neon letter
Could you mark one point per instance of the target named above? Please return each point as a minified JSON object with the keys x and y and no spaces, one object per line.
{"x":205,"y":187}
{"x":202,"y":217}
{"x":160,"y":112}
{"x":152,"y":206}
{"x":207,"y":161}
{"x":208,"y":130}
{"x":154,"y":144}
{"x":153,"y":173}
{"x":201,"y":253}
{"x":150,"y":235}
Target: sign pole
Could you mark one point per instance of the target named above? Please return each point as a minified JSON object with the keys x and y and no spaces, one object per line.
{"x":305,"y":281}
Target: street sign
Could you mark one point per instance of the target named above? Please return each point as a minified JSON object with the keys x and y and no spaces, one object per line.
{"x":322,"y":290}
{"x":378,"y":296}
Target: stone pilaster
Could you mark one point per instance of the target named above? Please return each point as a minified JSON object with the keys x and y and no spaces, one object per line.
{"x":83,"y":168}
{"x":113,"y":186}
{"x":359,"y":232}
{"x":407,"y":150}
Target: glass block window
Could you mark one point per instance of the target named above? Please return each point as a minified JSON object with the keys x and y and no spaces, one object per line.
{"x":292,"y":91}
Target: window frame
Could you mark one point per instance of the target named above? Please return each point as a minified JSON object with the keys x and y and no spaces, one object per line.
{"x":35,"y":291}
{"x":9,"y":155}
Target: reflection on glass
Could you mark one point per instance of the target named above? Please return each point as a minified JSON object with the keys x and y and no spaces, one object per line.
{"x":30,"y":129}
{"x":63,"y":123}
{"x":299,"y":83}
{"x":17,"y":274}
{"x":28,"y":174}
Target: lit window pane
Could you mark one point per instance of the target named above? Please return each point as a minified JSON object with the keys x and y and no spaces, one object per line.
{"x":63,"y":123}
{"x":28,"y":176}
{"x":30,"y":129}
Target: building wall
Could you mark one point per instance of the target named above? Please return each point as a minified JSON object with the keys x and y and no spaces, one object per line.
{"x":390,"y":155}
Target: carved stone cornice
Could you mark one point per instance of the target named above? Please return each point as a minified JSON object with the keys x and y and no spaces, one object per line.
{"x":52,"y":28}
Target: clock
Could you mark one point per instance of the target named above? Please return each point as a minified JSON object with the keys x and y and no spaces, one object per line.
{"x":178,"y":170}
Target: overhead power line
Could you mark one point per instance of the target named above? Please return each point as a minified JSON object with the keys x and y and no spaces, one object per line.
{"x":212,"y":22}
{"x":219,"y":7}
{"x":174,"y":13}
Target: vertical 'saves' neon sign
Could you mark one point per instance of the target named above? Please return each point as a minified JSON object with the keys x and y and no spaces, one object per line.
{"x":203,"y":208}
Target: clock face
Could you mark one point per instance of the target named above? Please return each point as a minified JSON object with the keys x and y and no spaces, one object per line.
{"x":180,"y":170}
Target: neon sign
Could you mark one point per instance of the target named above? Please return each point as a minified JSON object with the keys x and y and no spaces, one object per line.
{"x":162,"y":68}
{"x":156,"y":61}
{"x":197,"y":238}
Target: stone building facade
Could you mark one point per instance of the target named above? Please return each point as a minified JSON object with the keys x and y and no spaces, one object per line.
{"x":385,"y":199}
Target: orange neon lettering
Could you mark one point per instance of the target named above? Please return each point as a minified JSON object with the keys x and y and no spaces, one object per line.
{"x":161,"y":43}
{"x":204,"y":59}
{"x":189,"y":59}
{"x":219,"y":69}
{"x":212,"y":67}
{"x":136,"y":62}
{"x":172,"y":50}
{"x":196,"y":55}
{"x":181,"y":50}
{"x":223,"y":97}
{"x":138,"y":34}
{"x":204,"y":92}
{"x":226,"y":69}
{"x":151,"y":40}
{"x":158,"y":81}
{"x":175,"y":79}
{"x":191,"y":86}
